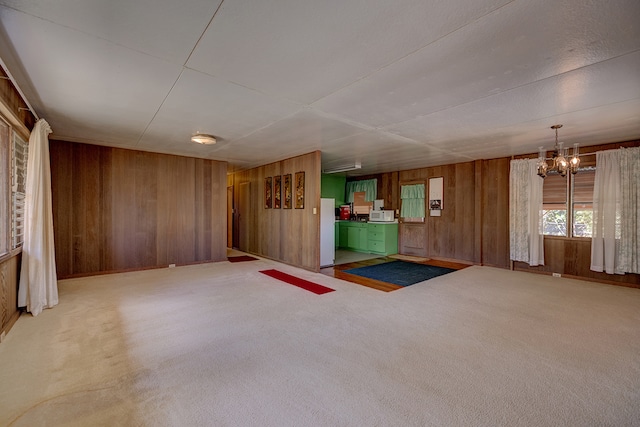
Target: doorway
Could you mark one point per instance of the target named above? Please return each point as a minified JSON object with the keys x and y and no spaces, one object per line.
{"x":230,"y":212}
{"x":243,"y":216}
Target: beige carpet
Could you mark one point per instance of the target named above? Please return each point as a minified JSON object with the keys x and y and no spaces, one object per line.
{"x":223,"y":345}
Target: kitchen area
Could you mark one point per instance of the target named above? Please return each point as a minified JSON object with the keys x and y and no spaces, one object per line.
{"x":354,"y":230}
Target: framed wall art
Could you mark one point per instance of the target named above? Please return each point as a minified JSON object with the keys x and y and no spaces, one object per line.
{"x":299,"y":190}
{"x":287,"y":191}
{"x":277,"y":191}
{"x":435,"y":196}
{"x":268,"y":195}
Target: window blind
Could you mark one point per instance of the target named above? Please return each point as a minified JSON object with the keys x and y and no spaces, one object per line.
{"x":19,"y":155}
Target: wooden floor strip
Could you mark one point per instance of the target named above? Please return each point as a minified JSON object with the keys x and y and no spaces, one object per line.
{"x":337,"y":271}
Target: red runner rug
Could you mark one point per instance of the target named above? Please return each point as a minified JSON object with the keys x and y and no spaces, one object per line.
{"x":301,"y":283}
{"x":241,"y":258}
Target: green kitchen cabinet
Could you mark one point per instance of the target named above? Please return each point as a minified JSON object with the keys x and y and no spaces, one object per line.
{"x":382,"y":238}
{"x":342,"y":235}
{"x":357,"y":238}
{"x":353,"y":236}
{"x":376,"y":238}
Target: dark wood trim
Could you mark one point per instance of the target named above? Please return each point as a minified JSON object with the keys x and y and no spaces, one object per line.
{"x":586,"y":279}
{"x":478,"y":212}
{"x":338,"y":272}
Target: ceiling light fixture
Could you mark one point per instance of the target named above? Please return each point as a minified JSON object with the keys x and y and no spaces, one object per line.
{"x":203,"y":138}
{"x":559,"y":158}
{"x":344,"y":168}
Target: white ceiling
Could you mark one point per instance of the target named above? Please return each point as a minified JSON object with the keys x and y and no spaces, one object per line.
{"x":393,"y":84}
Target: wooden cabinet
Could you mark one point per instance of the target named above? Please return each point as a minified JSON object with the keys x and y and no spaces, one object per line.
{"x":379,"y":239}
{"x":9,"y":312}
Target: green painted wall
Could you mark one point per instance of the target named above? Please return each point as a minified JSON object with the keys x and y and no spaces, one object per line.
{"x":333,"y":187}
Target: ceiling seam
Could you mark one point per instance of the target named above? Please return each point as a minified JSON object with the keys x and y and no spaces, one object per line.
{"x":364,"y":77}
{"x":510,"y":89}
{"x":179,"y":75}
{"x":268,"y":95}
{"x":95,"y":36}
{"x":203,"y":33}
{"x":159,"y":107}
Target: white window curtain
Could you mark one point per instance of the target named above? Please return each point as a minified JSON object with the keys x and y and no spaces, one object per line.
{"x":525,"y":213}
{"x":368,"y":186}
{"x":630,"y":222}
{"x":605,"y":242}
{"x":38,"y":281}
{"x":615,"y":245}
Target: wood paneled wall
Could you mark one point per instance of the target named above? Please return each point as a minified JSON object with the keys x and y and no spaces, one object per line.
{"x":9,"y":312}
{"x":492,"y":195}
{"x":14,"y":110}
{"x":13,"y":107}
{"x":474,"y":226}
{"x":572,"y":258}
{"x":117,"y":209}
{"x":450,"y":236}
{"x":288,"y":235}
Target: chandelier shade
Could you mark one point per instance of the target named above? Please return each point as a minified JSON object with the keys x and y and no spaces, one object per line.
{"x":559,"y":162}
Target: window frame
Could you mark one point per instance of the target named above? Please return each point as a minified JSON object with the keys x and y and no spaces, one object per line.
{"x":569,"y":206}
{"x":15,"y":128}
{"x":18,"y":182}
{"x":413,"y":220}
{"x":5,"y":188}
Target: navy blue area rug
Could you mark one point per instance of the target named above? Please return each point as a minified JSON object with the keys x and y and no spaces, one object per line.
{"x":400,"y":273}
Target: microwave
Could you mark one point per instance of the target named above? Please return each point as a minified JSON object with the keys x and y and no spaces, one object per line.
{"x":381,"y":216}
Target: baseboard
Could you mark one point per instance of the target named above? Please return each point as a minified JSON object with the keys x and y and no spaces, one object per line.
{"x":586,"y":279}
{"x":457,"y":261}
{"x":129,"y":270}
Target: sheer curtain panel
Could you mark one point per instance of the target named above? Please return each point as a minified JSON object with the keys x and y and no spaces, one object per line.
{"x":605,"y":242}
{"x":526,"y":241}
{"x":38,"y":282}
{"x":615,"y":246}
{"x":630,"y":224}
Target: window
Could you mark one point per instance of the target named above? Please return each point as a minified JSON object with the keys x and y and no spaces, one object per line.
{"x":568,"y":201}
{"x":18,"y":189}
{"x":5,"y":189}
{"x":412,"y":207}
{"x":13,"y":167}
{"x":582,"y":202}
{"x":554,"y":205}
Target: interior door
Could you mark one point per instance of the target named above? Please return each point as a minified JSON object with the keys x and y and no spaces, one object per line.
{"x":413,"y":239}
{"x":412,"y":232}
{"x":230,"y":216}
{"x":243,"y":215}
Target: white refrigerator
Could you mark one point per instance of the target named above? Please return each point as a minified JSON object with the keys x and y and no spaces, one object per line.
{"x":327,"y":232}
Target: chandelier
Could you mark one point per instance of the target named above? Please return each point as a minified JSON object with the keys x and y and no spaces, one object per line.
{"x":559,"y":157}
